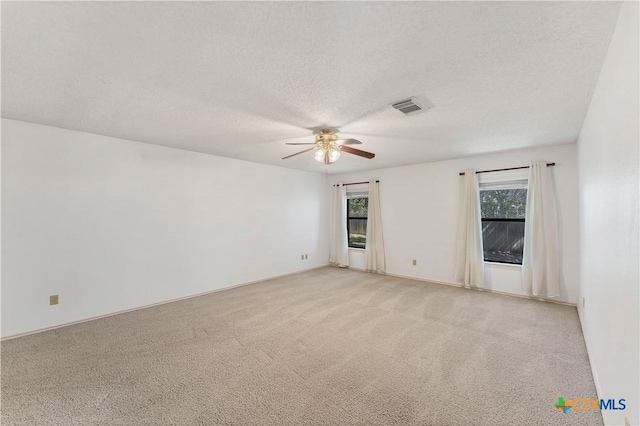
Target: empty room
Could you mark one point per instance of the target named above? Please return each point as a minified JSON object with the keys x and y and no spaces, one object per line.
{"x":320,"y":213}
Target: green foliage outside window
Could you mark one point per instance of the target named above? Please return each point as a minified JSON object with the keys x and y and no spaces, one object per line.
{"x":358,"y":207}
{"x":503,"y":203}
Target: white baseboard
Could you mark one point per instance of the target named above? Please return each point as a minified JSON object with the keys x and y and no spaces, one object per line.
{"x":452,"y":284}
{"x":67,"y":324}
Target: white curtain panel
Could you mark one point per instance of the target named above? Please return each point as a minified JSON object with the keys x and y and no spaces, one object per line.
{"x":374,"y":249}
{"x":469,"y":254}
{"x":339,"y":250}
{"x":540,"y":262}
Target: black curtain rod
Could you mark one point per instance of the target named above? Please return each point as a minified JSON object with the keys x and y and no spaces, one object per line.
{"x":510,"y":168}
{"x":356,"y":183}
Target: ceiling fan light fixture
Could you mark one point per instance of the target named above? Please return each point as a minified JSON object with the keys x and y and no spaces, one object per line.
{"x":334,"y":154}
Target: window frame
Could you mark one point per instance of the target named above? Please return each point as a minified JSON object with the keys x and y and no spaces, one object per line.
{"x":349,"y":218}
{"x":497,"y":184}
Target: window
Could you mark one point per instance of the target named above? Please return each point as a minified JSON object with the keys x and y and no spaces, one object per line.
{"x":502,"y":207}
{"x":357,"y":207}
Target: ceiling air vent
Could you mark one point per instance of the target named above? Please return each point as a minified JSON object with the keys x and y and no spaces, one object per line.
{"x":412,"y":106}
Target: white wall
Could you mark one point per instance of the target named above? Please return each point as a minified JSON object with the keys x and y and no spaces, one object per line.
{"x":609,"y":191}
{"x":110,"y":224}
{"x":419,"y":213}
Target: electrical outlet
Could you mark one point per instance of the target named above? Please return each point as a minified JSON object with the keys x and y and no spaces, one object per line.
{"x":415,"y":262}
{"x":53,"y":300}
{"x":302,"y":257}
{"x":306,"y":256}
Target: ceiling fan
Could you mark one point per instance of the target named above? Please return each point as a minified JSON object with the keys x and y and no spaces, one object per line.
{"x":328,"y":147}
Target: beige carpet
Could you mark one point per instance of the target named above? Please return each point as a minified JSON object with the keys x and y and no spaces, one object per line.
{"x":329,"y":346}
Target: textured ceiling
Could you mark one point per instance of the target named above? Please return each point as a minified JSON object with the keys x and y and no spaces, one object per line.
{"x":239,"y":79}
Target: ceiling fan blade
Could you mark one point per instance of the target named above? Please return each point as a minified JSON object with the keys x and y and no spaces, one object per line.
{"x":348,"y":142}
{"x":300,"y":143}
{"x":354,"y":151}
{"x":298,"y":153}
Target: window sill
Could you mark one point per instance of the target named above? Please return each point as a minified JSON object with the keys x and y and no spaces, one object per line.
{"x":356,"y":249}
{"x":503,"y":265}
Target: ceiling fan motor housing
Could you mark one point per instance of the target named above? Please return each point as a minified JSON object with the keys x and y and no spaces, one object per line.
{"x":327,"y":139}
